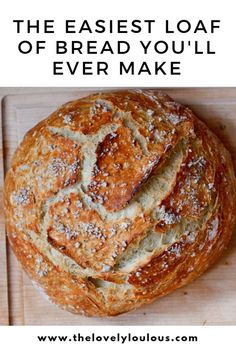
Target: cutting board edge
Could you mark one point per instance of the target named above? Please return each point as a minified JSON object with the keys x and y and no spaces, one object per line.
{"x":4,"y":308}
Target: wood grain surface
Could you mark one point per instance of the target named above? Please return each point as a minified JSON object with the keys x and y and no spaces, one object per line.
{"x":4,"y":314}
{"x":210,"y":300}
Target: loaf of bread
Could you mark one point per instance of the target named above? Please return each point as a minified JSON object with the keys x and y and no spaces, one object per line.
{"x":117,"y":199}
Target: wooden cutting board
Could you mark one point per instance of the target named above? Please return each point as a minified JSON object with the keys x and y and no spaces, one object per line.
{"x":4,"y":318}
{"x":210,"y":300}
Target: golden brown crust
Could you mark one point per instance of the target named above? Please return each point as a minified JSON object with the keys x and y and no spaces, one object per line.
{"x":117,"y":199}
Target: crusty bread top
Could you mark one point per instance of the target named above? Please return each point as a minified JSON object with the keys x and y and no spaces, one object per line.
{"x":119,"y":190}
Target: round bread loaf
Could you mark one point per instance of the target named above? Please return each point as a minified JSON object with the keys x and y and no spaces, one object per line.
{"x":117,"y":199}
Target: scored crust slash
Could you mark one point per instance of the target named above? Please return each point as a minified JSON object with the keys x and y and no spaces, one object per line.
{"x":117,"y":199}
